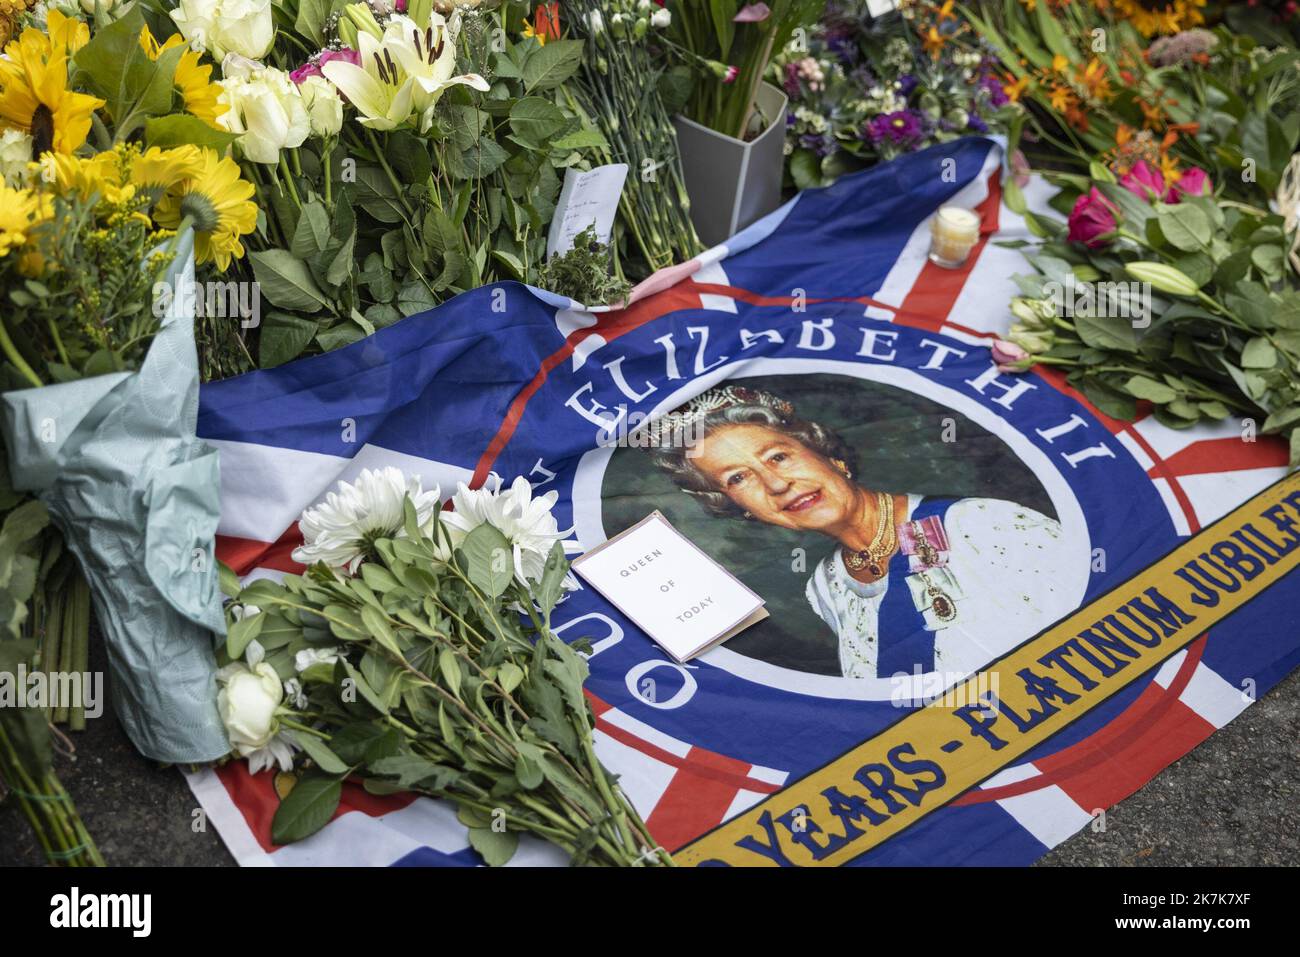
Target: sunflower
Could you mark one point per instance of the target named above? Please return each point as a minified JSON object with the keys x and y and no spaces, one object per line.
{"x":217,"y":203}
{"x":34,"y":94}
{"x":1150,"y":17}
{"x":192,"y":79}
{"x":20,"y":211}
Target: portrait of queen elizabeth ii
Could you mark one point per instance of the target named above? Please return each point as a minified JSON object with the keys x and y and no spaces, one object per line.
{"x":906,"y":582}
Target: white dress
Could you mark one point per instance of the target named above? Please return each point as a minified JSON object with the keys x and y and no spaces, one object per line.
{"x":1005,"y":573}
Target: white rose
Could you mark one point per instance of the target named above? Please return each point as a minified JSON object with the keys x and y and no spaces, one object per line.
{"x":661,"y":18}
{"x":227,"y":26}
{"x":324,"y":108}
{"x":247,"y":703}
{"x":15,"y":154}
{"x":595,"y":21}
{"x":265,"y":110}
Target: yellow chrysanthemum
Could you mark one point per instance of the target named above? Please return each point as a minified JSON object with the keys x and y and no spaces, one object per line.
{"x":21,"y":210}
{"x":34,"y":94}
{"x":192,"y":80}
{"x":1150,"y":17}
{"x":217,"y":202}
{"x":99,"y":174}
{"x":157,"y":170}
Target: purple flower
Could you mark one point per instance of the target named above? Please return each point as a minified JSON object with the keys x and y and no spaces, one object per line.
{"x":977,"y":124}
{"x":993,"y":87}
{"x":791,"y":81}
{"x":902,"y":128}
{"x":907,"y":83}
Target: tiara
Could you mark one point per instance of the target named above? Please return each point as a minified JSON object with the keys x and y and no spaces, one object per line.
{"x":706,"y":403}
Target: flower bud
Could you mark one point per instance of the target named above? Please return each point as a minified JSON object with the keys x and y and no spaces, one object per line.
{"x":1162,"y":277}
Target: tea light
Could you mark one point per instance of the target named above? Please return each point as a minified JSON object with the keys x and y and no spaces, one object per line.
{"x":954,"y":231}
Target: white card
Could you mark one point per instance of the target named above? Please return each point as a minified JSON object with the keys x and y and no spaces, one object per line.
{"x":674,"y":592}
{"x":587,"y":197}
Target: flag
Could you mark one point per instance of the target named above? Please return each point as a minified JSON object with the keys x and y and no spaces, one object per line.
{"x":1096,"y":586}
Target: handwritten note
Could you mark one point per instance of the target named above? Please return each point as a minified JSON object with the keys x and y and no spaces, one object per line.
{"x":587,"y":197}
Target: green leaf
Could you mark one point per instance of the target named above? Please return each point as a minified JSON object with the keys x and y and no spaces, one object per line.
{"x":551,"y":65}
{"x":286,"y":282}
{"x":489,"y":559}
{"x":1141,"y":387}
{"x":535,"y":120}
{"x":409,"y":157}
{"x":449,"y":665}
{"x":551,"y":586}
{"x":241,"y":632}
{"x":1103,"y":332}
{"x":318,"y":751}
{"x":377,"y":623}
{"x":580,"y":140}
{"x":496,"y":847}
{"x":1258,"y":354}
{"x":1184,"y":226}
{"x":312,"y":232}
{"x":509,"y":675}
{"x":309,"y":807}
{"x":284,"y":337}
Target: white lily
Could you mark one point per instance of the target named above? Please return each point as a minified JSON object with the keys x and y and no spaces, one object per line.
{"x":428,"y":56}
{"x":403,"y":73}
{"x":378,"y":88}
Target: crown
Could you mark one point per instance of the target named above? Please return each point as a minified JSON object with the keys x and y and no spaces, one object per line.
{"x":662,"y":429}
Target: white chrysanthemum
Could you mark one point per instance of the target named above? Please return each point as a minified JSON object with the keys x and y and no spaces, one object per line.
{"x":341,"y":531}
{"x":526,"y":521}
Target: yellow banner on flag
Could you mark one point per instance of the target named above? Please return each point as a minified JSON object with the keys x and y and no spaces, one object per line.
{"x":938,"y":752}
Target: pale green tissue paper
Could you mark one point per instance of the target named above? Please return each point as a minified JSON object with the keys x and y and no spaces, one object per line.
{"x":136,"y":496}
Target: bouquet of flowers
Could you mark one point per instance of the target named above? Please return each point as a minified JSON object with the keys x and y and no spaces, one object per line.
{"x":1158,"y":291}
{"x":630,"y":97}
{"x":416,"y":654}
{"x":1099,"y":87}
{"x":732,"y":43}
{"x":867,"y":90}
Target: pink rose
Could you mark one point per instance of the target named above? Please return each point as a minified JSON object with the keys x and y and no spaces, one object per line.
{"x":1143,"y":181}
{"x":1008,"y":355}
{"x":313,"y":66}
{"x":1193,"y":182}
{"x":1092,"y":217}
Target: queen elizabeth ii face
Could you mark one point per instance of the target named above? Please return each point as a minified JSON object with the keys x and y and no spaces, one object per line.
{"x":776,"y":478}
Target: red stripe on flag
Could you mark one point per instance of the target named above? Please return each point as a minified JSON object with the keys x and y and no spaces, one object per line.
{"x":1121,"y":739}
{"x":1226,"y":455}
{"x":694,"y":802}
{"x":245,"y":554}
{"x":936,"y":289}
{"x":254,"y":795}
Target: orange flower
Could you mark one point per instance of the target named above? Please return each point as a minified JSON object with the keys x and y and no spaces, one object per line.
{"x":1093,"y":78}
{"x":1062,"y":98}
{"x":932,"y":42}
{"x":546,"y":20}
{"x":1014,"y":90}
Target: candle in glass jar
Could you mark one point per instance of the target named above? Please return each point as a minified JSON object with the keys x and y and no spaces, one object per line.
{"x":954,"y":231}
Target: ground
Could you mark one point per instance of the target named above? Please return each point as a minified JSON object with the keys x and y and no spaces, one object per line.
{"x":1235,"y":800}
